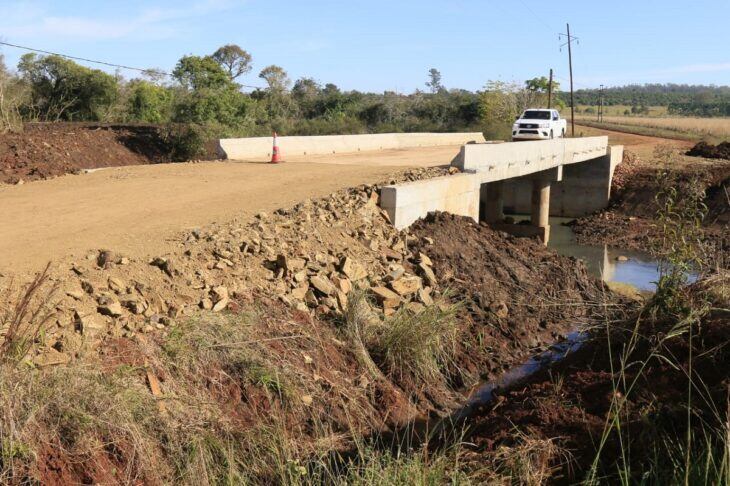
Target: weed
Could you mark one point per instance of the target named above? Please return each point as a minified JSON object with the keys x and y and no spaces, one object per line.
{"x":375,"y":467}
{"x":531,"y":461}
{"x":23,"y":321}
{"x":680,"y":249}
{"x":410,"y":348}
{"x":669,"y":324}
{"x":417,"y":345}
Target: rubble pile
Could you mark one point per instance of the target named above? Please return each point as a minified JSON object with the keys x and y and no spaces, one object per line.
{"x":311,"y":257}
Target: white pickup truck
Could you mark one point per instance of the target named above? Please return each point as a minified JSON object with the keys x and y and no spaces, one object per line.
{"x":538,"y":124}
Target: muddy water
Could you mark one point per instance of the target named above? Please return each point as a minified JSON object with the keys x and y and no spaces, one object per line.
{"x":635,"y":268}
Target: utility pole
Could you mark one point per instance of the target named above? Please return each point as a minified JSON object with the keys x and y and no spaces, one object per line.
{"x":600,"y":104}
{"x":550,"y":90}
{"x":570,"y":66}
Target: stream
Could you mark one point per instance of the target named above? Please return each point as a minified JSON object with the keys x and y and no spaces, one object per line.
{"x":612,"y":265}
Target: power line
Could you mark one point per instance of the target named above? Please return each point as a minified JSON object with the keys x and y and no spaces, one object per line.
{"x":104,"y":63}
{"x":532,"y":12}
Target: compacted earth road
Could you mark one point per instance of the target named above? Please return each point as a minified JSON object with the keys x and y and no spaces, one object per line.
{"x":135,"y":209}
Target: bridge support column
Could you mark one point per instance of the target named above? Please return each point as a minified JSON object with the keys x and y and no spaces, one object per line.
{"x":492,"y":211}
{"x":541,"y":208}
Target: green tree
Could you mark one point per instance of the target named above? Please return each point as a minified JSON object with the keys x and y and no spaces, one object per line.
{"x":63,"y":90}
{"x":226,"y":107}
{"x":13,"y":93}
{"x":195,"y":72}
{"x":541,"y":85}
{"x":330,"y":88}
{"x":306,"y":92}
{"x":306,"y":88}
{"x":148,"y":102}
{"x":234,"y":59}
{"x":276,"y":78}
{"x":434,"y":82}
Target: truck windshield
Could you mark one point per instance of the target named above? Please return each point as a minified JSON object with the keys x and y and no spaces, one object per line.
{"x":536,"y":115}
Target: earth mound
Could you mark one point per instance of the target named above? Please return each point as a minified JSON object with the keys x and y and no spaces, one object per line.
{"x":46,"y":150}
{"x":510,"y":286}
{"x":709,"y":151}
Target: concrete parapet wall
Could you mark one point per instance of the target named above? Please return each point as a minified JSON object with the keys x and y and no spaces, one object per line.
{"x":507,"y":160}
{"x":259,"y":148}
{"x":584,"y":189}
{"x":456,"y":194}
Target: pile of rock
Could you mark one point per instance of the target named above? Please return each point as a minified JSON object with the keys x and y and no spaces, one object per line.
{"x":311,"y":256}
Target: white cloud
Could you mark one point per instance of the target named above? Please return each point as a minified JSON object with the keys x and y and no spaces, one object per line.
{"x":24,"y":20}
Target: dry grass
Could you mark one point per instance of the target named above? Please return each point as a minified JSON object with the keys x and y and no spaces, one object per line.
{"x":412,"y":349}
{"x":713,"y":128}
{"x":23,"y":318}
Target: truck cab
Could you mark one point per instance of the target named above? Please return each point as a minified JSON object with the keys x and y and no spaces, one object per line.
{"x":538,"y":124}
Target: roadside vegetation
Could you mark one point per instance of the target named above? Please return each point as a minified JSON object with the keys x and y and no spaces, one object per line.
{"x":211,"y":96}
{"x":262,"y":395}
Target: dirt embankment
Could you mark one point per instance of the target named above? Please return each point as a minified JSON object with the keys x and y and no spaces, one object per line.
{"x":621,"y":401}
{"x":45,"y":150}
{"x":709,"y":151}
{"x":264,"y":319}
{"x":519,"y":295}
{"x":631,"y":219}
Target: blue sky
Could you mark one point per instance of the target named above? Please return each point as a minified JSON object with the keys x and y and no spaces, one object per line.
{"x":385,"y":45}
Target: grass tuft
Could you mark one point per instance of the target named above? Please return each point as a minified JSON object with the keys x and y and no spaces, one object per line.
{"x":23,"y":320}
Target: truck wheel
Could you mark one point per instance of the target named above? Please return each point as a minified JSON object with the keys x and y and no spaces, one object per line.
{"x":552,"y":135}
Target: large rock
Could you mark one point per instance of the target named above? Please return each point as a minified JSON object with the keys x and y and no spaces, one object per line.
{"x":88,"y":323}
{"x":290,"y":264}
{"x":428,"y":274}
{"x":322,"y":284}
{"x":406,"y":285}
{"x":352,"y":269}
{"x":387,"y":298}
{"x":109,"y":307}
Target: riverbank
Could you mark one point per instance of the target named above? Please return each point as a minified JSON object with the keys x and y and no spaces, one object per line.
{"x":645,"y":185}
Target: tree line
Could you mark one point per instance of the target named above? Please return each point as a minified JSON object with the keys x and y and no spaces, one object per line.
{"x":203,"y":97}
{"x":680,"y":99}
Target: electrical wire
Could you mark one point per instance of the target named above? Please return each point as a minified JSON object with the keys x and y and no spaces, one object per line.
{"x":104,"y":63}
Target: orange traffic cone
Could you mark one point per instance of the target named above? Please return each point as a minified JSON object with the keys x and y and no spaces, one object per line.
{"x":275,"y":154}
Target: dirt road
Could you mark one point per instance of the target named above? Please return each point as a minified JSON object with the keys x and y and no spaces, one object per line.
{"x":136,"y":210}
{"x":641,"y":145}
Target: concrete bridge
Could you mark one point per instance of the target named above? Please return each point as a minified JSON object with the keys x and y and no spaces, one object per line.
{"x":564,"y":177}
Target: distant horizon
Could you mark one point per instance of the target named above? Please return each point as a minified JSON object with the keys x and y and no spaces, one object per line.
{"x":390,"y":46}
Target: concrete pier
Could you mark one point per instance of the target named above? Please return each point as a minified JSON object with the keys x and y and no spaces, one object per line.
{"x":540,"y":213}
{"x":492,"y":201}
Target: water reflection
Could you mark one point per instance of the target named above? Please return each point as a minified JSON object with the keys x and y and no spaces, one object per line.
{"x":639,"y":269}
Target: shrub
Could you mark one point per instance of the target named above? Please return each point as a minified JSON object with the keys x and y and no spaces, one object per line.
{"x":185,"y":141}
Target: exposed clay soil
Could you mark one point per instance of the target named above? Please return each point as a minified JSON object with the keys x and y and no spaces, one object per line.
{"x":569,"y":402}
{"x":45,"y":150}
{"x":510,"y":287}
{"x":709,"y":151}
